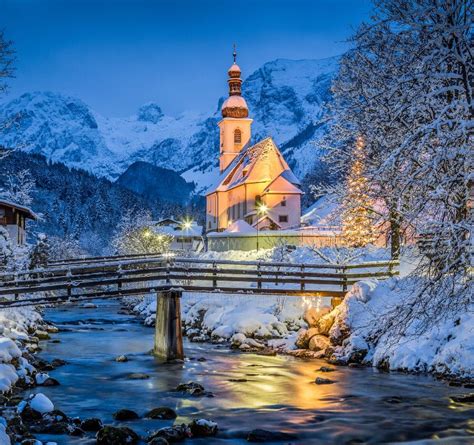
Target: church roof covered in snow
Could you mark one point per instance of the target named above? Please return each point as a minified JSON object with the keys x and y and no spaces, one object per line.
{"x":261,"y":162}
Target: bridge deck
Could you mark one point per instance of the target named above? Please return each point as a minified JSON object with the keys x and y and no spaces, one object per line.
{"x":114,"y":277}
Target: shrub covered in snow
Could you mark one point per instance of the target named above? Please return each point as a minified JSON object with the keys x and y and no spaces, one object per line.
{"x":372,"y":325}
{"x":40,"y":254}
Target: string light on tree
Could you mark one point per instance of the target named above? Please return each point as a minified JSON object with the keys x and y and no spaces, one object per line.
{"x":357,"y":223}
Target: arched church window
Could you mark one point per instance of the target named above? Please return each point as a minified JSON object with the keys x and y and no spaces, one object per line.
{"x":237,"y":136}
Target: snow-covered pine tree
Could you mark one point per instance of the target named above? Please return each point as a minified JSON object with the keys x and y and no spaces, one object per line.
{"x":6,"y":61}
{"x":7,"y":259}
{"x":41,"y":252}
{"x":65,"y":247}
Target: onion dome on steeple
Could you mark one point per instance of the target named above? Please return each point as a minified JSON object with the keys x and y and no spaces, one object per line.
{"x":235,"y":105}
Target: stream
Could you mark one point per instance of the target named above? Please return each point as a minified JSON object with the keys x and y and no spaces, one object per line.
{"x":275,"y":393}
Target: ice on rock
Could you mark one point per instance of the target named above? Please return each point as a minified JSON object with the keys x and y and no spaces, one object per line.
{"x":41,"y":378}
{"x":41,"y":403}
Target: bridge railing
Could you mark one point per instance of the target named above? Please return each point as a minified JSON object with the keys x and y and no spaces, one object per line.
{"x":138,"y":276}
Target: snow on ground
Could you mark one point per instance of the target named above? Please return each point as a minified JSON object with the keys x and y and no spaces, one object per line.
{"x":306,"y":255}
{"x":235,"y":318}
{"x":15,"y":326}
{"x":446,"y":347}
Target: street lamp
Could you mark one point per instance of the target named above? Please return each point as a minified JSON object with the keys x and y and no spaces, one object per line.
{"x":262,"y":209}
{"x":185,"y":226}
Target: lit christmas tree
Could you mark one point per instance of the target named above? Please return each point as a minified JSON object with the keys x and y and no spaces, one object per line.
{"x":357,"y":225}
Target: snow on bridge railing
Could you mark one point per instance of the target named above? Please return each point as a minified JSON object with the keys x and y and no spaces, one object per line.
{"x":145,"y":256}
{"x":118,"y":262}
{"x":85,"y":259}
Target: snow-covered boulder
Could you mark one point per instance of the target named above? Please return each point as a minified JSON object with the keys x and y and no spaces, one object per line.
{"x":4,"y":439}
{"x":41,"y":403}
{"x":313,"y":314}
{"x":318,"y":343}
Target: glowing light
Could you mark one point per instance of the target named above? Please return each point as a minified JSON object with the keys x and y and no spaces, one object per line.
{"x":147,"y":233}
{"x":262,"y":209}
{"x":308,"y":302}
{"x":186,"y":224}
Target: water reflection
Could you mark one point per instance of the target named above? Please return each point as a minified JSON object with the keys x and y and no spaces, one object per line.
{"x":274,"y":393}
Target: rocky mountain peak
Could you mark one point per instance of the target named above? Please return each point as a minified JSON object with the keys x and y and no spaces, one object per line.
{"x":285,"y":99}
{"x":150,"y":112}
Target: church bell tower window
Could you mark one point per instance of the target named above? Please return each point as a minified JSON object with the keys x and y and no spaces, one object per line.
{"x":237,"y":137}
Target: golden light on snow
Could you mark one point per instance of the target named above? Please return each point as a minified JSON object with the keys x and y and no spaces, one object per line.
{"x":308,"y":302}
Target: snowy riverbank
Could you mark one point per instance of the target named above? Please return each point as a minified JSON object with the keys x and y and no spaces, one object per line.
{"x":370,"y":328}
{"x":21,"y":329}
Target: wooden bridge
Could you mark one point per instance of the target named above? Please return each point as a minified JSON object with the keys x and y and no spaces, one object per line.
{"x":82,"y":279}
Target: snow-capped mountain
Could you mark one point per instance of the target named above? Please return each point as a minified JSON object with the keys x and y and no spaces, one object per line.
{"x":285,"y":99}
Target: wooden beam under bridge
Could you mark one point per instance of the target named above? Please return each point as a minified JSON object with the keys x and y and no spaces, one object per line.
{"x":168,"y":330}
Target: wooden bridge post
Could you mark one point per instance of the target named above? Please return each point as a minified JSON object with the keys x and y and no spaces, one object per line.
{"x":168,"y":334}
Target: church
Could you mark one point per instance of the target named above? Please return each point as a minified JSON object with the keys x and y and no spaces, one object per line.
{"x":256,"y":188}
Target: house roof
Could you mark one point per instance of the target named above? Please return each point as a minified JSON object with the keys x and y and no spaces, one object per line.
{"x":263,"y":218}
{"x":261,"y":162}
{"x":26,"y":210}
{"x":166,"y":221}
{"x":282,"y":185}
{"x":240,"y":226}
{"x":194,"y":231}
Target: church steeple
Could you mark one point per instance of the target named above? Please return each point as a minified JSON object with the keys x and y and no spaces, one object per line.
{"x":235,"y":126}
{"x":235,"y":105}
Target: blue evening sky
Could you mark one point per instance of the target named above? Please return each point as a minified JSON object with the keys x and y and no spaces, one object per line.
{"x":119,"y":54}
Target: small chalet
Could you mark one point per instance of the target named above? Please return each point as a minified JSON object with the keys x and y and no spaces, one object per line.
{"x":186,"y":235}
{"x":13,"y":217}
{"x":255,"y":185}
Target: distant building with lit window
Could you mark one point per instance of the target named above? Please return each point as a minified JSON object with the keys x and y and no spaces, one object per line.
{"x":255,"y":184}
{"x":187,"y":235}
